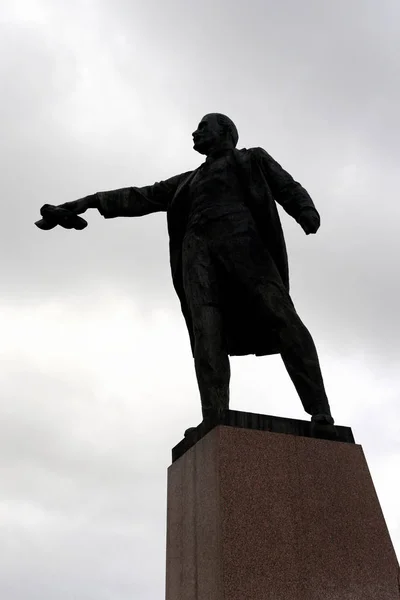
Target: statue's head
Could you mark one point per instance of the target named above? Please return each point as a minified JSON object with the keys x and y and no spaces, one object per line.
{"x":215,"y":132}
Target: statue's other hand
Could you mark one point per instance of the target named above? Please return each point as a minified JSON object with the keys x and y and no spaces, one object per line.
{"x":309,"y":220}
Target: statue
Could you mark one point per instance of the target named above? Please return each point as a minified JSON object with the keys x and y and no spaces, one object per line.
{"x":228,"y":260}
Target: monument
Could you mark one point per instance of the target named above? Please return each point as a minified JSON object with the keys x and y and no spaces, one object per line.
{"x":259,"y":508}
{"x":228,"y":259}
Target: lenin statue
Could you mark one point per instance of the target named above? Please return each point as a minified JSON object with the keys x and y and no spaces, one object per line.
{"x":228,"y":260}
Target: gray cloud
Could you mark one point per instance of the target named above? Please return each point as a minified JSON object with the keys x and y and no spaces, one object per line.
{"x":105,"y":95}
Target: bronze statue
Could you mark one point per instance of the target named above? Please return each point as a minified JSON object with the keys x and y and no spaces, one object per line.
{"x":228,"y":259}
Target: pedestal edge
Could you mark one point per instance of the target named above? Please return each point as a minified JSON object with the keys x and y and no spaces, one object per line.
{"x":245,"y":420}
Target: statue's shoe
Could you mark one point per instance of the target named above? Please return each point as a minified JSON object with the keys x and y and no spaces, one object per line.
{"x":322,"y":419}
{"x":211,"y":418}
{"x":322,"y":426}
{"x":56,"y":215}
{"x":189,"y":431}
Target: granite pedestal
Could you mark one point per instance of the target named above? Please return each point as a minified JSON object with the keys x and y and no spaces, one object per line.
{"x":261,"y":509}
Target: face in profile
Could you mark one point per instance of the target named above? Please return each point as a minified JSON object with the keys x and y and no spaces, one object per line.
{"x":208,"y":134}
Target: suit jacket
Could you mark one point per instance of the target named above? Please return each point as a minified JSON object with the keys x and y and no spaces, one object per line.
{"x":264,"y":183}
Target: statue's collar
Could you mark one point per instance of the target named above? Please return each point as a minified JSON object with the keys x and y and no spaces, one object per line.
{"x":218,"y":154}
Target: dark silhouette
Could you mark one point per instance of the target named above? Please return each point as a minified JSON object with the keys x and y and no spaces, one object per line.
{"x":228,"y":260}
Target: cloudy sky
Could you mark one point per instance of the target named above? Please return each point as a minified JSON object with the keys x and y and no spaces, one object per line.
{"x":97,"y":382}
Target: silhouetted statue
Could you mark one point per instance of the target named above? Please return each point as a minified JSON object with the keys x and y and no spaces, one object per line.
{"x":228,"y":259}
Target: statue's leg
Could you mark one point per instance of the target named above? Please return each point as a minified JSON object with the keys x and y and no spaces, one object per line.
{"x":297,"y":350}
{"x":211,"y":360}
{"x":202,"y":293}
{"x":301,"y":361}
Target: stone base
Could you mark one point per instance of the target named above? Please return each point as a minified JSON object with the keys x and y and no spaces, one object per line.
{"x":259,"y":515}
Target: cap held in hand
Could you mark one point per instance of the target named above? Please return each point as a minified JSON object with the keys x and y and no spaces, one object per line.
{"x":56,"y":215}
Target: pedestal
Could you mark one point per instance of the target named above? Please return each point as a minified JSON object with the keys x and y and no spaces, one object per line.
{"x":258,"y":509}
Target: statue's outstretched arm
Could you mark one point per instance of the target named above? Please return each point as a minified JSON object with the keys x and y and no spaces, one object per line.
{"x":124,"y":202}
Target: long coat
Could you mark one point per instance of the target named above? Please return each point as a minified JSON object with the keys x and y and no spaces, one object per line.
{"x":263,"y":181}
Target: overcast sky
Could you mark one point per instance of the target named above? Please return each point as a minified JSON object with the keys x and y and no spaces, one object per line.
{"x":97,"y":382}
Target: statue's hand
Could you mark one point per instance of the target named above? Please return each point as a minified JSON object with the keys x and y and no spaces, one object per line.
{"x":309,"y":220}
{"x":66,"y":214}
{"x":80,"y":206}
